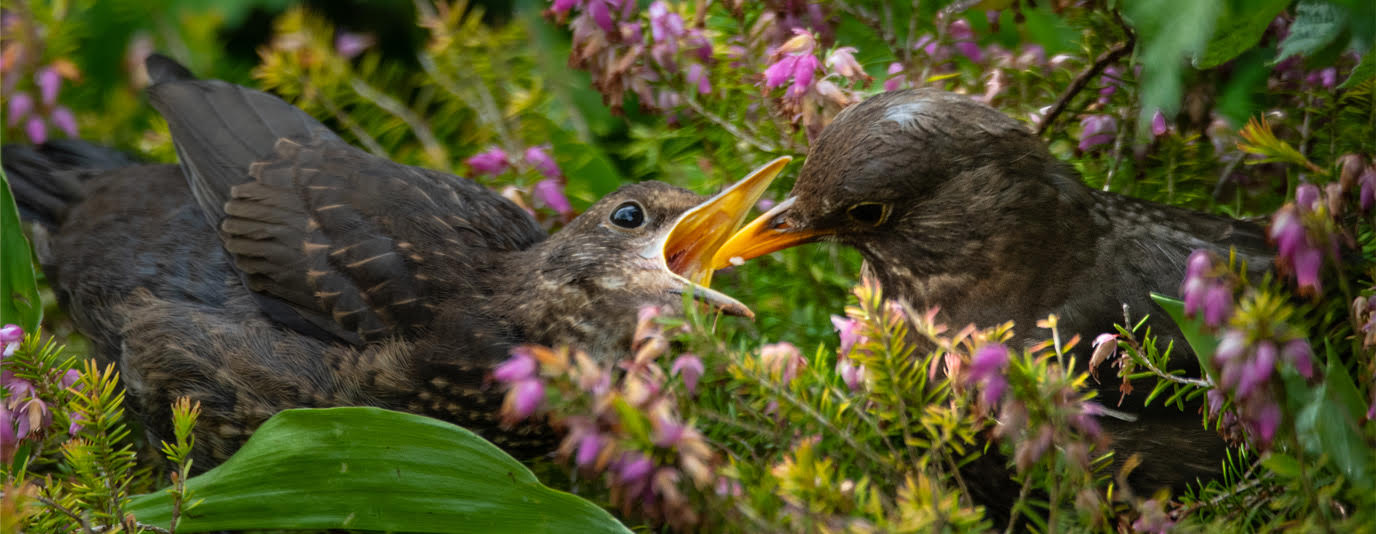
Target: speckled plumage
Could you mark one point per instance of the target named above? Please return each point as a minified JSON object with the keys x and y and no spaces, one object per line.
{"x":986,"y":224}
{"x":279,"y":267}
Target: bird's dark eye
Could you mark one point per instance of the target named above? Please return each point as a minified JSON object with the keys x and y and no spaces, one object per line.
{"x":871,"y":213}
{"x":628,"y":215}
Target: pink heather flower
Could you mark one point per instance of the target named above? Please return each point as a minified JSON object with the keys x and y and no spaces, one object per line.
{"x":959,"y":30}
{"x":20,"y":105}
{"x":1298,"y":353}
{"x":795,"y":62}
{"x":64,"y":120}
{"x":551,"y":193}
{"x":75,"y":426}
{"x":520,"y":366}
{"x":49,"y":82}
{"x":1230,"y":346}
{"x":1288,"y":232}
{"x":782,"y":358}
{"x":849,"y":329}
{"x":1218,"y":305}
{"x":1153,"y":519}
{"x":666,"y":26}
{"x":894,"y":82}
{"x":36,"y":130}
{"x":632,"y":33}
{"x":1158,"y":124}
{"x":1258,"y":371}
{"x":778,"y":72}
{"x":690,"y":368}
{"x":842,"y":62}
{"x":11,"y":335}
{"x":493,"y":161}
{"x":601,"y":12}
{"x":803,"y":72}
{"x":528,"y":395}
{"x":539,"y":157}
{"x":1367,"y":181}
{"x":667,"y":433}
{"x":635,"y":468}
{"x":696,"y":42}
{"x":1307,"y":262}
{"x":1199,"y":264}
{"x":19,"y":388}
{"x":853,"y":375}
{"x":986,"y":368}
{"x":589,"y":447}
{"x":33,"y":417}
{"x":1097,"y":130}
{"x":348,"y":45}
{"x":970,"y":50}
{"x":1193,"y":291}
{"x":1216,"y":399}
{"x":697,"y":75}
{"x":70,"y":377}
{"x":1307,"y":197}
{"x":563,"y":6}
{"x":8,"y":440}
{"x":1267,"y":421}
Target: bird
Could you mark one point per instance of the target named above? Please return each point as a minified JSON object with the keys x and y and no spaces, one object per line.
{"x":277,"y":266}
{"x":957,"y":206}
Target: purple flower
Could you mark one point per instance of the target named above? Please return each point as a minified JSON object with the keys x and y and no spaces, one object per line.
{"x":34,"y":416}
{"x":690,"y":368}
{"x":1298,"y":353}
{"x":665,"y":25}
{"x":1307,"y":197}
{"x":11,"y":335}
{"x":697,"y":75}
{"x":75,"y":426}
{"x":960,"y":30}
{"x":8,"y":439}
{"x":635,"y":468}
{"x":853,"y":375}
{"x":1258,"y":371}
{"x":1267,"y":421}
{"x":782,"y":359}
{"x":1097,"y":130}
{"x":667,"y":433}
{"x":589,"y":447}
{"x":563,"y":6}
{"x":348,"y":44}
{"x":539,"y":157}
{"x":970,"y":50}
{"x":1218,"y":305}
{"x":527,"y":396}
{"x":1199,"y":264}
{"x":1307,"y":262}
{"x":493,"y":161}
{"x":551,"y":193}
{"x":1152,"y":519}
{"x":64,"y":120}
{"x":795,"y":62}
{"x":1193,"y":291}
{"x":849,"y":329}
{"x":842,"y":62}
{"x":1216,"y":399}
{"x":1288,"y":232}
{"x":803,"y":72}
{"x":36,"y":130}
{"x":70,"y":377}
{"x":1231,"y":346}
{"x":986,"y":367}
{"x":49,"y":82}
{"x":601,"y":11}
{"x":1158,"y":124}
{"x":520,"y":366}
{"x":20,"y":105}
{"x":1367,"y":181}
{"x":894,"y":82}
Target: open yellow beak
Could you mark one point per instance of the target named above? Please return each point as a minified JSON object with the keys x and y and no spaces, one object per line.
{"x":767,"y":233}
{"x":693,"y":240}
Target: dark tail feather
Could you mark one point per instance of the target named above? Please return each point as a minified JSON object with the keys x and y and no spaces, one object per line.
{"x":220,"y":129}
{"x":47,"y":179}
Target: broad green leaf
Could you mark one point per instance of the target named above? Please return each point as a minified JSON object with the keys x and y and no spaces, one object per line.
{"x":1317,"y":23}
{"x":1326,"y":419}
{"x":1238,"y":30}
{"x":1203,"y":342}
{"x":1168,"y":31}
{"x":1365,"y":70}
{"x":373,"y":469}
{"x":1282,"y":465}
{"x":19,"y":300}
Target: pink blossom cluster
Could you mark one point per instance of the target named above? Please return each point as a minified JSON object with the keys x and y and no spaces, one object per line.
{"x":1304,"y":233}
{"x":1208,"y":289}
{"x":37,"y":115}
{"x":1247,"y":364}
{"x":648,"y":455}
{"x":24,"y":414}
{"x":549,"y":191}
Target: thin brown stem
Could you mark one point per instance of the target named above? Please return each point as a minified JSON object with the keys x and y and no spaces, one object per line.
{"x":1081,"y":80}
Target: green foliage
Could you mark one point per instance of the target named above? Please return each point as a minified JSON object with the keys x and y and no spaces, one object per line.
{"x":19,"y":300}
{"x":372,"y":469}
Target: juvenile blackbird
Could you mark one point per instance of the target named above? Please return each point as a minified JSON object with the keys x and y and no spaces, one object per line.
{"x":955,"y":205}
{"x":280,"y":267}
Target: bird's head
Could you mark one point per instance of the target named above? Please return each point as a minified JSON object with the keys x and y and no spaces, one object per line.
{"x":650,"y":243}
{"x":913,"y":170}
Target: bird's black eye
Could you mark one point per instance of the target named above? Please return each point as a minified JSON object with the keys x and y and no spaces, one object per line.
{"x":871,"y":213}
{"x":628,"y":215}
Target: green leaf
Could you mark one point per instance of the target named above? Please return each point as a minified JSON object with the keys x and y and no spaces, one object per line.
{"x":1282,"y":465}
{"x":1168,"y":31}
{"x":1317,"y":23}
{"x":1203,"y":342}
{"x":1326,"y":419}
{"x":19,"y":300}
{"x":1365,"y":70}
{"x":373,"y":469}
{"x":1238,"y":30}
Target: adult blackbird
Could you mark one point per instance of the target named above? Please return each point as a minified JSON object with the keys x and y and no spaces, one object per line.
{"x":280,"y":267}
{"x":955,"y":205}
